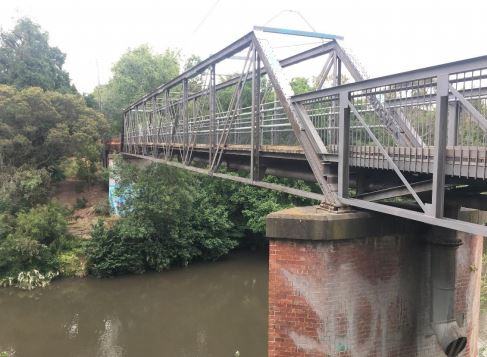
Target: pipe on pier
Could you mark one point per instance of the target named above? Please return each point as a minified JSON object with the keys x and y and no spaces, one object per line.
{"x":451,"y":337}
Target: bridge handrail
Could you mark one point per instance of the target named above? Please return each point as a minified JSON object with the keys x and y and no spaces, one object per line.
{"x":466,"y":65}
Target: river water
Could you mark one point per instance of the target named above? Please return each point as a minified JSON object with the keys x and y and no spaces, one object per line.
{"x":207,"y":309}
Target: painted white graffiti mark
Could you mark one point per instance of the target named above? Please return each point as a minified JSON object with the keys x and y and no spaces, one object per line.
{"x":365,"y":306}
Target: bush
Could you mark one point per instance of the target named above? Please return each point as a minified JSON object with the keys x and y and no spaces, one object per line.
{"x":28,"y":280}
{"x":168,"y":220}
{"x":71,"y":263}
{"x":102,"y":208}
{"x":69,"y":167}
{"x":34,"y":242}
{"x":172,"y":217}
{"x":43,"y":224}
{"x":80,"y":203}
{"x":116,"y":250}
{"x":102,"y":177}
{"x":23,"y":188}
{"x":18,"y":254}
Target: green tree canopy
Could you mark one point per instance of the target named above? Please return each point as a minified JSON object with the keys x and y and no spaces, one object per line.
{"x":39,"y":128}
{"x":300,"y":85}
{"x":27,"y":60}
{"x":137,"y":72}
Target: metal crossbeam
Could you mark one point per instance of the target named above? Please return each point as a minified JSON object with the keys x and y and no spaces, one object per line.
{"x":282,"y":31}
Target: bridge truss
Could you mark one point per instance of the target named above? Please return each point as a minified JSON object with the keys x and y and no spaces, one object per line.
{"x":408,"y":144}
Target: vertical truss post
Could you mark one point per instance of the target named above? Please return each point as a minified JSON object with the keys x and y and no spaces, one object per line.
{"x":185,"y":120}
{"x":255,"y":125}
{"x":337,"y":80}
{"x":146,"y":126}
{"x":438,"y":194}
{"x":138,"y":128}
{"x":274,"y":114}
{"x":453,"y":116}
{"x":130,"y":132}
{"x":154,"y":126}
{"x":343,"y":145}
{"x":170,"y":130}
{"x":338,"y":72}
{"x":134,"y":129}
{"x":122,"y":134}
{"x":212,"y":116}
{"x":335,"y":69}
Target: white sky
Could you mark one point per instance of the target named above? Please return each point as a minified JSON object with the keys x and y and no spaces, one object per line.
{"x":387,"y":36}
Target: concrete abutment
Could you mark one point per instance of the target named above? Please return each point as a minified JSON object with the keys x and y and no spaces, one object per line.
{"x":362,"y":284}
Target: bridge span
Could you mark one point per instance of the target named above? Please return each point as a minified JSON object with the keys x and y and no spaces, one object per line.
{"x":414,"y":139}
{"x":411,"y":145}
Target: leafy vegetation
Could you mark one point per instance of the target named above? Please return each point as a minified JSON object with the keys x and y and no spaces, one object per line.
{"x":167,"y":221}
{"x":138,"y":71}
{"x":44,"y":125}
{"x":172,"y":217}
{"x":23,"y":188}
{"x":33,"y":242}
{"x":27,"y":60}
{"x":39,"y":128}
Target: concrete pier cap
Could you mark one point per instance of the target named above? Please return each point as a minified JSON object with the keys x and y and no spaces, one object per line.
{"x":315,"y":223}
{"x":367,"y":284}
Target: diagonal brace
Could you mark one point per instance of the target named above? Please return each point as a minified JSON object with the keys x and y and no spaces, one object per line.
{"x":388,"y":158}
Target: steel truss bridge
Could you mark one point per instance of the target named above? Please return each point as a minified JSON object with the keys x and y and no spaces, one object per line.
{"x":411,"y":144}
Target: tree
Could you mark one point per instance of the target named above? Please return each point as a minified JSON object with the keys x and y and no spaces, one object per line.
{"x":27,"y":60}
{"x":39,"y":128}
{"x":300,"y":85}
{"x":136,"y":73}
{"x":197,"y":83}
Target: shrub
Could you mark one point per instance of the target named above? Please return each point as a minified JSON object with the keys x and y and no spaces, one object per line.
{"x":80,"y":203}
{"x":23,"y":188}
{"x":102,"y":208}
{"x":34,"y":241}
{"x":71,"y":263}
{"x":169,"y":220}
{"x":69,"y":167}
{"x":29,"y":280}
{"x":19,"y":254}
{"x":102,"y":177}
{"x":116,"y":250}
{"x":171,"y":217}
{"x":43,"y":224}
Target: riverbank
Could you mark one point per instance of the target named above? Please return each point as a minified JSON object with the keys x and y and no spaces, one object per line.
{"x":87,"y":203}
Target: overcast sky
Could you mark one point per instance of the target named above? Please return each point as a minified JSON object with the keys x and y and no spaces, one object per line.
{"x":386,"y":36}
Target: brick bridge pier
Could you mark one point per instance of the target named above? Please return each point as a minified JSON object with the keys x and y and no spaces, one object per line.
{"x":363,"y":284}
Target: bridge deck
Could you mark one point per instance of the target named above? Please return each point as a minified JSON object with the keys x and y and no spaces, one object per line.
{"x":461,"y":161}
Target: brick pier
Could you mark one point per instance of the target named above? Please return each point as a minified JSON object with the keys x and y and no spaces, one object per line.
{"x":358,"y":284}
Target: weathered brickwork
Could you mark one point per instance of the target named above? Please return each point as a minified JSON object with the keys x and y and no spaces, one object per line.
{"x":363,"y":297}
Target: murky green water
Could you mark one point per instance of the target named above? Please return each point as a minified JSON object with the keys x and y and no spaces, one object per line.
{"x":208,"y":309}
